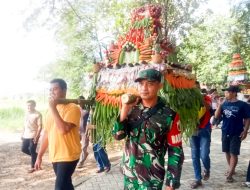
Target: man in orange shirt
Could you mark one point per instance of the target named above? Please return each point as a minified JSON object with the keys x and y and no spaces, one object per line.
{"x":61,"y":136}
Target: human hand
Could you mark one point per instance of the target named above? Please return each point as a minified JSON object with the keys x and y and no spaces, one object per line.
{"x":128,"y":101}
{"x":38,"y":163}
{"x":221,"y":100}
{"x":52,"y":102}
{"x":169,"y":188}
{"x":243,"y":135}
{"x":35,"y":140}
{"x":127,"y":107}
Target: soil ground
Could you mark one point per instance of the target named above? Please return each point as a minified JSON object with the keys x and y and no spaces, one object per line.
{"x":14,"y":166}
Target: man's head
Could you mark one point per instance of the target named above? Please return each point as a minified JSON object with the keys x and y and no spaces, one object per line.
{"x":149,"y":83}
{"x":203,"y":91}
{"x":197,"y":84}
{"x":31,"y":104}
{"x":58,"y":88}
{"x":80,"y":103}
{"x":231,"y":92}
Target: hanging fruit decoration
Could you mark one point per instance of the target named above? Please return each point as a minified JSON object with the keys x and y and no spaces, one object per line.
{"x":143,"y":47}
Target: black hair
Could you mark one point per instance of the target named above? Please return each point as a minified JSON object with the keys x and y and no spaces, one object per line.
{"x":61,"y":82}
{"x":211,"y":91}
{"x":31,"y":102}
{"x":204,"y":91}
{"x":81,"y":97}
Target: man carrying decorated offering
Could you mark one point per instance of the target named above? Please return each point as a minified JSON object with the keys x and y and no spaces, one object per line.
{"x":61,"y":136}
{"x":150,"y":129}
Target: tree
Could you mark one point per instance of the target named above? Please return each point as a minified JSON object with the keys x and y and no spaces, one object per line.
{"x":241,"y":31}
{"x":221,"y":37}
{"x":81,"y":25}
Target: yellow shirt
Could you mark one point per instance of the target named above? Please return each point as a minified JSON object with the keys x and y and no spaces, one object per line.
{"x":64,"y":147}
{"x":202,"y":112}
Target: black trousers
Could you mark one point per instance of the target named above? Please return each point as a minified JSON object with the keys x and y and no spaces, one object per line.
{"x":29,"y":147}
{"x":64,"y":171}
{"x":248,"y":172}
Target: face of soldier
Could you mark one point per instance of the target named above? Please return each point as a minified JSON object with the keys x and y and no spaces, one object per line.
{"x":149,"y":89}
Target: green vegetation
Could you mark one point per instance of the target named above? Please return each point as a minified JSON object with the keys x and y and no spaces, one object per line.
{"x":85,"y":28}
{"x":12,"y":114}
{"x":11,"y":118}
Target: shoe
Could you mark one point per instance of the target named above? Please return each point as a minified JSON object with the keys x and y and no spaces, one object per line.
{"x":205,"y":175}
{"x":246,"y":184}
{"x":107,"y":169}
{"x":196,"y":184}
{"x":100,"y":170}
{"x":31,"y":170}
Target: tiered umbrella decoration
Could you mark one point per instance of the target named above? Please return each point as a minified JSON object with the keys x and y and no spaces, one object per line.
{"x":238,"y":75}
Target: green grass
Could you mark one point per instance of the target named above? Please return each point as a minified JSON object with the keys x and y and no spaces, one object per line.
{"x":11,"y":118}
{"x":12,"y":114}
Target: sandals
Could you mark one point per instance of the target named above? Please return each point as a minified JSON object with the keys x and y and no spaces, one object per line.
{"x":230,"y":180}
{"x":196,"y":184}
{"x":205,"y":175}
{"x":100,"y":170}
{"x":31,"y":170}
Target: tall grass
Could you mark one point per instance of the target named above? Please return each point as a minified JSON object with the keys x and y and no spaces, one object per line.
{"x":12,"y":113}
{"x":11,"y":118}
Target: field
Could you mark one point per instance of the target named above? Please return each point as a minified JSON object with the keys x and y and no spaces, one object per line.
{"x":12,"y":114}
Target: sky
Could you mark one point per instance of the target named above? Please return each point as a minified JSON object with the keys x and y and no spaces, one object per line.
{"x":23,"y":53}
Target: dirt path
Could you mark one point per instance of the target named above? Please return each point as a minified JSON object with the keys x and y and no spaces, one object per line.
{"x":14,"y":165}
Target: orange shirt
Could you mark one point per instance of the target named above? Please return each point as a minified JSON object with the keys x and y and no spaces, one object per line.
{"x":64,"y":147}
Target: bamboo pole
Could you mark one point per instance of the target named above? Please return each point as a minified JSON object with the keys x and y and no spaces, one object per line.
{"x":75,"y":101}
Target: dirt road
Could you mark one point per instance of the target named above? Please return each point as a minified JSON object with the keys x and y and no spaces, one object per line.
{"x":14,"y":165}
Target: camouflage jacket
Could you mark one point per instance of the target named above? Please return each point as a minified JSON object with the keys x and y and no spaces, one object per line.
{"x":147,"y":142}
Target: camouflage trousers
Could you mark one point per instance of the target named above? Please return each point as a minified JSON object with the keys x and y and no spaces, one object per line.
{"x":130,"y":184}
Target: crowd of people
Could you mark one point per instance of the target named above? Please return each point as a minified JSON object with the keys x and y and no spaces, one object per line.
{"x":148,"y":126}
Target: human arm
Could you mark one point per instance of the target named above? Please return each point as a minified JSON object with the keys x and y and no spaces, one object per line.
{"x":174,"y":167}
{"x":218,"y":111}
{"x":120,"y":127}
{"x":39,"y":124}
{"x":175,"y":155}
{"x":43,"y":148}
{"x":243,"y":135}
{"x":246,"y":120}
{"x":62,"y":125}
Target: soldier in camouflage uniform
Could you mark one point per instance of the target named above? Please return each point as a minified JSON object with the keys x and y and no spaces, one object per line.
{"x":150,"y":129}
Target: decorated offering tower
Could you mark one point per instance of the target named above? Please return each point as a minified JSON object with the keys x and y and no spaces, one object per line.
{"x":142,"y":47}
{"x":238,"y":75}
{"x":237,"y":71}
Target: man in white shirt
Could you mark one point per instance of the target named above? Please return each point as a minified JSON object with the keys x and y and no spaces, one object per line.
{"x":31,"y":133}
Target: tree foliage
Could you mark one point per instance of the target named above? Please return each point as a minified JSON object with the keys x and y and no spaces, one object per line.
{"x":85,"y":28}
{"x":241,"y":31}
{"x":209,"y":46}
